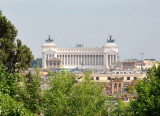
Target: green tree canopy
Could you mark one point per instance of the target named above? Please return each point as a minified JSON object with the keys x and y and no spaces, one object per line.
{"x":65,"y":97}
{"x":37,"y":63}
{"x":13,"y":54}
{"x":10,"y":107}
{"x":148,"y":90}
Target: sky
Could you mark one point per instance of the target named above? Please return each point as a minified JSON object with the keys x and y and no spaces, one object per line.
{"x":134,"y":24}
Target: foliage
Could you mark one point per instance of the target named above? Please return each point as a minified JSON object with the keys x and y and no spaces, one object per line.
{"x":67,"y":98}
{"x":131,"y":89}
{"x":120,"y":108}
{"x":8,"y":83}
{"x":21,"y":89}
{"x":10,"y":107}
{"x":37,"y":63}
{"x":30,"y":92}
{"x":148,"y":90}
{"x":9,"y":93}
{"x":34,"y":92}
{"x":13,"y":55}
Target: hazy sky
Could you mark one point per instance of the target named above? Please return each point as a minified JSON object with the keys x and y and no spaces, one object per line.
{"x":135,"y":24}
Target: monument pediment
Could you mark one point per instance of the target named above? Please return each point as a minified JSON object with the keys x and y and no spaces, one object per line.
{"x":49,"y":51}
{"x":112,"y":51}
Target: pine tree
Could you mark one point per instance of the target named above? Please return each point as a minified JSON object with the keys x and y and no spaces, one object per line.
{"x":13,"y":55}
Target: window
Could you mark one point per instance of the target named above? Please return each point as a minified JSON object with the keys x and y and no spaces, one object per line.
{"x":92,"y":78}
{"x":128,"y":78}
{"x":54,"y":63}
{"x":109,"y":78}
{"x":50,"y":63}
{"x":135,"y":78}
{"x":97,"y":78}
{"x":58,"y":63}
{"x":124,"y":72}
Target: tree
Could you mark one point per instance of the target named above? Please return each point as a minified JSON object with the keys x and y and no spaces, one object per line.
{"x":10,"y":104}
{"x":10,"y":107}
{"x":120,"y":108}
{"x":8,"y":83}
{"x":148,"y":90}
{"x":20,"y":89}
{"x":65,"y":97}
{"x":13,"y":54}
{"x":37,"y":63}
{"x":33,"y":98}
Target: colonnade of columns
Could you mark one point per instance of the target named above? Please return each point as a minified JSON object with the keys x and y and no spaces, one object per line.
{"x":116,"y":86}
{"x":81,"y":59}
{"x":48,"y":56}
{"x":112,"y":59}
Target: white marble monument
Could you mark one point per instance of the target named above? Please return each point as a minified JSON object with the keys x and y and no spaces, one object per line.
{"x":80,"y":56}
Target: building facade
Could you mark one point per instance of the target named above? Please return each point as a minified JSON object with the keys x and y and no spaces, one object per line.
{"x":106,"y":78}
{"x":53,"y":63}
{"x":80,"y":56}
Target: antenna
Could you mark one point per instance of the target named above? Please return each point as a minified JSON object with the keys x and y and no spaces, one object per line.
{"x":142,"y":55}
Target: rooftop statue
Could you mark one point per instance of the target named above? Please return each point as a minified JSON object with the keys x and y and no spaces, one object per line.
{"x":110,"y":39}
{"x":49,"y":39}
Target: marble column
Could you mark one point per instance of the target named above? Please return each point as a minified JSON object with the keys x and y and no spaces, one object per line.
{"x":84,"y":59}
{"x":108,"y":60}
{"x":90,"y":59}
{"x":113,"y":58}
{"x":67,"y":60}
{"x":75,"y":60}
{"x":116,"y":59}
{"x":103,"y":60}
{"x":95,"y":60}
{"x":44,"y":60}
{"x":70,"y":59}
{"x":78,"y":60}
{"x":63,"y":59}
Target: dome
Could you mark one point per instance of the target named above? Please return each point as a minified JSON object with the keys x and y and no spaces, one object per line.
{"x":49,"y":43}
{"x":110,"y":45}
